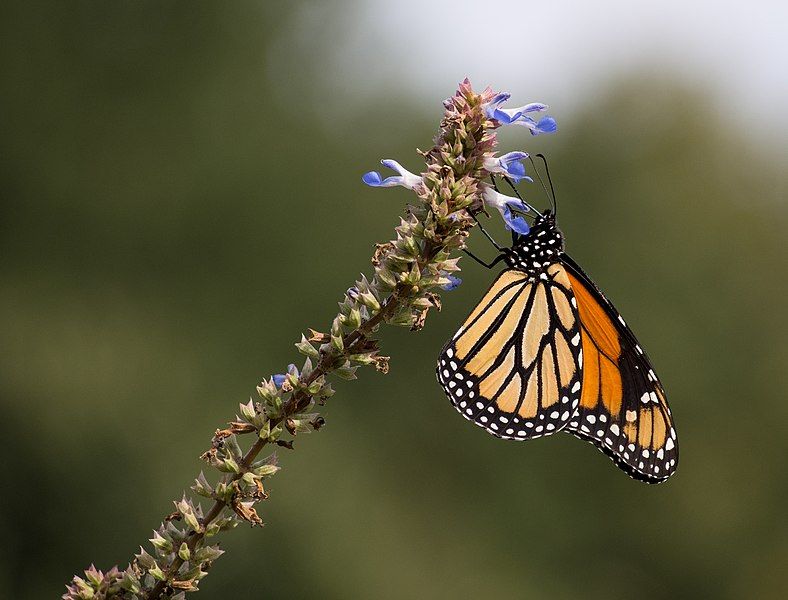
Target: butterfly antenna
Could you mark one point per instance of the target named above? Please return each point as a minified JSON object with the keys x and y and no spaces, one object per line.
{"x":550,"y":181}
{"x":541,"y":182}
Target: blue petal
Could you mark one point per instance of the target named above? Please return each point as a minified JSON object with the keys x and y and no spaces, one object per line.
{"x":454,"y":282}
{"x":503,"y":118}
{"x":372,"y":178}
{"x":512,"y":156}
{"x":515,"y":222}
{"x":279,"y":379}
{"x":500,"y":98}
{"x":519,"y":224}
{"x":516,"y":171}
{"x":545,"y":125}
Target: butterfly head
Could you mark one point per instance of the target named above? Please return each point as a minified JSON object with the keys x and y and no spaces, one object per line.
{"x":539,"y":248}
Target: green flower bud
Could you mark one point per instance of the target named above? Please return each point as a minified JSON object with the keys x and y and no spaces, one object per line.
{"x":145,"y":560}
{"x":207,"y":554}
{"x":265,"y":470}
{"x":346,"y":372}
{"x":354,"y":318}
{"x":158,"y":573}
{"x":228,"y":465}
{"x":160,"y":543}
{"x":337,"y":343}
{"x":248,"y":411}
{"x":192,"y":522}
{"x":369,"y":300}
{"x":315,"y":386}
{"x":307,"y":349}
{"x":184,"y":551}
{"x":130,"y":582}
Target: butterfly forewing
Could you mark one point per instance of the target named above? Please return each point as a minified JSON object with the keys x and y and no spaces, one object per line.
{"x":623,"y":410}
{"x":513,"y":367}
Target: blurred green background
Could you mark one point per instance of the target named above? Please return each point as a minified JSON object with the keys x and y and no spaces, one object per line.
{"x":181,"y":197}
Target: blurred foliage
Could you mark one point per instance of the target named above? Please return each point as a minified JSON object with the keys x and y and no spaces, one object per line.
{"x":160,"y":204}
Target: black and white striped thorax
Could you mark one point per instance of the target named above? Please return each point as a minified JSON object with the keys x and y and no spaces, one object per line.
{"x":539,"y":248}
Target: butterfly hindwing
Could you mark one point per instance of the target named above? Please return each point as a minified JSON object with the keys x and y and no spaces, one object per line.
{"x":623,"y":410}
{"x":513,"y":367}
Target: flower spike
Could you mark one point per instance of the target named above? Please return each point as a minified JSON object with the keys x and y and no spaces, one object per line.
{"x":509,"y":165}
{"x":405,"y":177}
{"x":504,"y":204}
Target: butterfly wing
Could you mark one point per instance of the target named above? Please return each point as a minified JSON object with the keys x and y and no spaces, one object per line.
{"x":513,"y":367}
{"x":623,"y":410}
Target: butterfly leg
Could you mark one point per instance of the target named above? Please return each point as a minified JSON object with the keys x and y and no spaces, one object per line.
{"x":487,"y":235}
{"x":490,"y":265}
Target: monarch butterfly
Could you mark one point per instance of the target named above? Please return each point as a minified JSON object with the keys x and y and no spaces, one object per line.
{"x":545,"y":351}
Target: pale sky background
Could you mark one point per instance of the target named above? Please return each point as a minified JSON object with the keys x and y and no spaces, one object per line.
{"x":559,"y":52}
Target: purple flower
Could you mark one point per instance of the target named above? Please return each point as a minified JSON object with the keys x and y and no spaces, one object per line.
{"x":544,"y":125}
{"x":454,"y":282}
{"x":504,"y":204}
{"x":405,"y":177}
{"x":518,"y":116}
{"x":509,"y":165}
{"x":279,"y":378}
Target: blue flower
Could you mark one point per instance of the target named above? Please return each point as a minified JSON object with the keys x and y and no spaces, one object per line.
{"x":518,"y":116}
{"x":504,"y":204}
{"x":405,"y":177}
{"x":454,"y":282}
{"x":509,"y":165}
{"x":279,"y":378}
{"x":545,"y":124}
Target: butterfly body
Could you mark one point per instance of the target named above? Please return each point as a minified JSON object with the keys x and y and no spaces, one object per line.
{"x":545,"y":351}
{"x":542,"y":247}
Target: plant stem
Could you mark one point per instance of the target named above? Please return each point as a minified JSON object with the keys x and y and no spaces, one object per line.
{"x":292,"y":406}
